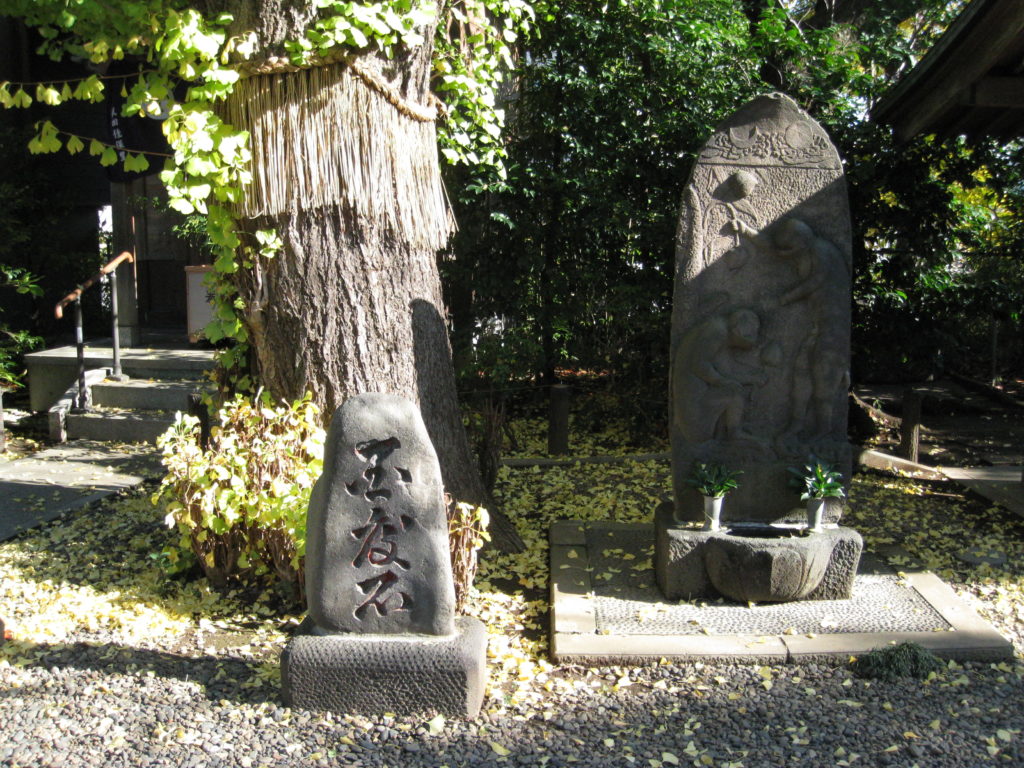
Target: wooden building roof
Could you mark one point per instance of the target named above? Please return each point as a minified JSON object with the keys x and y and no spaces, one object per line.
{"x":970,"y":83}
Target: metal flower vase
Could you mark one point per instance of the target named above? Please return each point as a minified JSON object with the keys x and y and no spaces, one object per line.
{"x":713,"y":513}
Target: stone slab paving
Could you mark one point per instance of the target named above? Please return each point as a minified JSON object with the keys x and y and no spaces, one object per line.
{"x":606,"y":609}
{"x":1001,"y":484}
{"x":42,"y":487}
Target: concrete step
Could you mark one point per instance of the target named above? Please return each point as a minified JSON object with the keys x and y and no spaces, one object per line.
{"x":52,"y":371}
{"x":145,"y":394}
{"x":119,"y":426}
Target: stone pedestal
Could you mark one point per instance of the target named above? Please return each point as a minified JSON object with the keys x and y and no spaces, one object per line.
{"x":683,"y":555}
{"x":373,"y":674}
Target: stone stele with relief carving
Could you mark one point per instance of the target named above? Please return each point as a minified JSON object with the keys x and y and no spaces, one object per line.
{"x":761,"y":312}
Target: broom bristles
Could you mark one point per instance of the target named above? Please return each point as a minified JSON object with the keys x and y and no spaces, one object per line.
{"x":320,"y":137}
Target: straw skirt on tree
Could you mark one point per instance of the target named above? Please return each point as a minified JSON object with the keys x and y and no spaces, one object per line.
{"x":345,"y":170}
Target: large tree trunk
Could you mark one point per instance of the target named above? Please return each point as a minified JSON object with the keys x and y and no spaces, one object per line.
{"x":345,"y":170}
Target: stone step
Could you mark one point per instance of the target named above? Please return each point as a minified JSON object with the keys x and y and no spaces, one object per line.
{"x":52,"y":371}
{"x":119,"y":426}
{"x":145,"y":394}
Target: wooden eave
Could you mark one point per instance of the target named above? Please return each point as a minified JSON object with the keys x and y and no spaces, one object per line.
{"x":971,"y":83}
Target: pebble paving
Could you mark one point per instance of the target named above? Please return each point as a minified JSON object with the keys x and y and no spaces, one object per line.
{"x":880,"y":603}
{"x":627,"y":600}
{"x":83,"y":705}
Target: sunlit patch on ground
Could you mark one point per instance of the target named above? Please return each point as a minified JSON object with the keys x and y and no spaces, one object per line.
{"x":92,"y":578}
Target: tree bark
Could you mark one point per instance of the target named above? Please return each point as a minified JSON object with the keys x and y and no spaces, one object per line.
{"x":350,"y":305}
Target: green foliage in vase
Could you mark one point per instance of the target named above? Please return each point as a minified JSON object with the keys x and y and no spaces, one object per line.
{"x":818,"y":480}
{"x":713,"y":480}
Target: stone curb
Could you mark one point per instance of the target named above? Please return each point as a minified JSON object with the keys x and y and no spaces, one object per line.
{"x":57,"y":416}
{"x":575,"y":639}
{"x":869,"y":457}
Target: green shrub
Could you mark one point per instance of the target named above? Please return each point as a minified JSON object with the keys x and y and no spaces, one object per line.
{"x":894,"y":662}
{"x":240,"y":505}
{"x":14,"y":342}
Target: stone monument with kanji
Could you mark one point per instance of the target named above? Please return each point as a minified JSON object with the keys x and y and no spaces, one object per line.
{"x":381,"y":634}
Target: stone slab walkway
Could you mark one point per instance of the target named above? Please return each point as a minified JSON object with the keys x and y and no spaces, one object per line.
{"x":1001,"y":484}
{"x":607,"y":609}
{"x":45,"y":485}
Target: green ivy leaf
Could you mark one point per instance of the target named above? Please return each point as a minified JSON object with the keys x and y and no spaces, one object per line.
{"x":47,"y":95}
{"x":136,"y":163}
{"x":181,"y":205}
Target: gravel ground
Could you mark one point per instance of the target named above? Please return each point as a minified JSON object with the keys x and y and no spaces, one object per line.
{"x":113,"y":665}
{"x":87,"y":706}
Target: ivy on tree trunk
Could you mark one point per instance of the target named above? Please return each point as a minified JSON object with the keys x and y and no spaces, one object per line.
{"x":349,"y":305}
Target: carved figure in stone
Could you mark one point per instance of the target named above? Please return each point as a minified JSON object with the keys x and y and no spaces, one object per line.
{"x":709,"y":381}
{"x":734,"y":195}
{"x":819,"y":369}
{"x":764,"y":225}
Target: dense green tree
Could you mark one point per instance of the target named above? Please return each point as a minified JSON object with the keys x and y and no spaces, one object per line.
{"x":569,"y":262}
{"x":573,"y":255}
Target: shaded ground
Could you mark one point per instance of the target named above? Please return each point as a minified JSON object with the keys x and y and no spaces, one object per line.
{"x":114,"y":663}
{"x":962,"y":426}
{"x":41,"y":485}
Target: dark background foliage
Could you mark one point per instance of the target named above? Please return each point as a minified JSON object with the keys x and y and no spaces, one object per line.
{"x":567,"y":264}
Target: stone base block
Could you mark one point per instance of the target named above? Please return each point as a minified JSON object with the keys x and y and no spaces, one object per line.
{"x":373,"y":674}
{"x":681,"y":567}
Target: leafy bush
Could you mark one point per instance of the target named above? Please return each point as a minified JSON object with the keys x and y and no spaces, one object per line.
{"x":47,"y":239}
{"x":467,"y":532}
{"x":240,"y":506}
{"x":14,"y":343}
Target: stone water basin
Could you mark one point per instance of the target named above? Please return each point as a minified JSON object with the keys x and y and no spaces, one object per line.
{"x":766,"y":563}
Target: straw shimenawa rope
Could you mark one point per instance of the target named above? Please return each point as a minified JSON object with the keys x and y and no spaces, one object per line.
{"x":338,"y":135}
{"x":274,"y":65}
